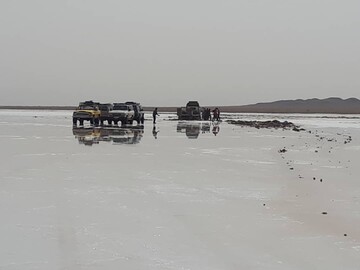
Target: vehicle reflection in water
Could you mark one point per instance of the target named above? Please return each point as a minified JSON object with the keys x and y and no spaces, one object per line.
{"x":193,"y":129}
{"x":116,"y":135}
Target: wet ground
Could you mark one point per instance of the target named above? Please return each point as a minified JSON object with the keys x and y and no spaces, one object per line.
{"x":179,"y":195}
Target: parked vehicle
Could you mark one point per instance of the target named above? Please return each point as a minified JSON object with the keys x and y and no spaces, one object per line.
{"x":87,"y":111}
{"x":138,"y":110}
{"x":100,"y":113}
{"x":123,"y":113}
{"x":192,"y":111}
{"x":105,"y":113}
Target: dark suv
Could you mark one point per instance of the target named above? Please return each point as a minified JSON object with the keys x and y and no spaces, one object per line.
{"x":105,"y":112}
{"x":192,"y":111}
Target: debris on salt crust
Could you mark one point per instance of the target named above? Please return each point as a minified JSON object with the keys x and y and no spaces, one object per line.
{"x":267,"y":124}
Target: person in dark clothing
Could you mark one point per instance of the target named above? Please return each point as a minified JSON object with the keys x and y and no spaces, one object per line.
{"x":155,"y":113}
{"x":216,"y":113}
{"x":207,"y":114}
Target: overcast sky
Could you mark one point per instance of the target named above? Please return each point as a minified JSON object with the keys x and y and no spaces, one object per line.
{"x":229,"y":52}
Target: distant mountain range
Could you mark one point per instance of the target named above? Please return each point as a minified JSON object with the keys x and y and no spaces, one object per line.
{"x":315,"y":105}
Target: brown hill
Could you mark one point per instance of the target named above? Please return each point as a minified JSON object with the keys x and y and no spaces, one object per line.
{"x":328,"y":105}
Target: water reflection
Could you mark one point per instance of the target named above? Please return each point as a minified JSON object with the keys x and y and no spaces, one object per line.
{"x":117,"y":135}
{"x":216,"y":128}
{"x":155,"y":131}
{"x":193,"y":129}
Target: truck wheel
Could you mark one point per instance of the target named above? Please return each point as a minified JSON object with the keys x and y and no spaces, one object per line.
{"x":81,"y":122}
{"x":74,"y":121}
{"x":142,"y":120}
{"x":109,"y":122}
{"x":101,"y":122}
{"x":96,"y":122}
{"x":115,"y":123}
{"x":131,"y":122}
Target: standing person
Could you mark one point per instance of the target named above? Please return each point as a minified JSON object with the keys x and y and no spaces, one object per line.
{"x":216,"y":114}
{"x":155,"y":113}
{"x":207,"y":114}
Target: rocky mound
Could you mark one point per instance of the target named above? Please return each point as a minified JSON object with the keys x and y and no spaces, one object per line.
{"x":266,"y":124}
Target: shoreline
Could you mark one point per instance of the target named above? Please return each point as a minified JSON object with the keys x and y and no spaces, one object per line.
{"x":223,"y":109}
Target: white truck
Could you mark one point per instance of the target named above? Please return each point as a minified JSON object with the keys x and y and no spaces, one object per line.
{"x":123,"y":113}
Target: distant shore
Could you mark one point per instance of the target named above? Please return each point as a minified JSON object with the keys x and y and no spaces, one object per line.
{"x":331,"y":105}
{"x":45,"y":108}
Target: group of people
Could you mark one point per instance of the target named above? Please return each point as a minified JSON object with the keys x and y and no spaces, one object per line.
{"x":207,"y":114}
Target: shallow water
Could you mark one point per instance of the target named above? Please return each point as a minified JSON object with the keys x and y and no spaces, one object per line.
{"x":177,"y":195}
